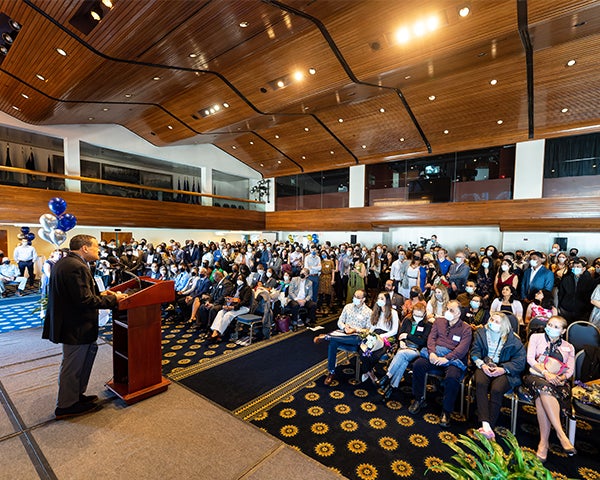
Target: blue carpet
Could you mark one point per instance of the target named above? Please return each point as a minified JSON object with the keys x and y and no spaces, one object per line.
{"x":17,"y":313}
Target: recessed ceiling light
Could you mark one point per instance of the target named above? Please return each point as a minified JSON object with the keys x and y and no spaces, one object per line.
{"x":105,"y":109}
{"x":298,"y":76}
{"x":193,"y":55}
{"x":464,"y":11}
{"x":432,"y":97}
{"x":24,"y":95}
{"x":279,"y":162}
{"x":446,"y":132}
{"x":312,"y":71}
{"x":170,"y":127}
{"x":402,"y":35}
{"x":95,"y":15}
{"x":407,"y":77}
{"x":493,"y":81}
{"x":155,"y":78}
{"x":306,"y":129}
{"x":211,"y":110}
{"x":303,"y":157}
{"x":107,"y":3}
{"x":217,"y":107}
{"x":276,"y":136}
{"x":262,"y":164}
{"x":331,"y":151}
{"x":41,"y":77}
{"x":564,"y":110}
{"x":234,"y":147}
{"x":16,"y":108}
{"x":364,"y":146}
{"x":226,"y":105}
{"x":570,"y":63}
{"x":419,"y":28}
{"x":128,"y":95}
{"x":61,"y":52}
{"x":500,"y":122}
{"x":382,"y":110}
{"x":244,"y":24}
{"x":433,"y":23}
{"x":251,"y":142}
{"x":90,"y":118}
{"x":401,"y":139}
{"x":341,"y":120}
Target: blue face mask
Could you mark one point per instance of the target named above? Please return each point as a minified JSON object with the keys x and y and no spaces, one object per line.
{"x":324,"y":257}
{"x":474,"y":305}
{"x":552,"y":332}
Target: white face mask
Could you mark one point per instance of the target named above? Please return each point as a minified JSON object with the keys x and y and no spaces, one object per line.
{"x":417,"y":317}
{"x":554,"y":250}
{"x":505,"y":268}
{"x":240,"y":282}
{"x":269,"y":274}
{"x":485,"y":265}
{"x":459,"y":260}
{"x":357,"y":301}
{"x":533,"y":263}
{"x":494,"y":327}
{"x":469,"y":289}
{"x":381,"y":303}
{"x":448,"y":315}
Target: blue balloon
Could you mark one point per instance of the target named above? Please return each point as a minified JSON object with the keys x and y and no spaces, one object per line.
{"x":66,"y":222}
{"x":25,"y":230}
{"x":57,"y":205}
{"x":30,"y":236}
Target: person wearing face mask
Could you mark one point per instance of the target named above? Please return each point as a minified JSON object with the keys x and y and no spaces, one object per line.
{"x":296,"y":260}
{"x":25,"y":255}
{"x":492,"y":254}
{"x":412,"y":338}
{"x":485,"y":279}
{"x":206,"y":308}
{"x":458,"y":274}
{"x":398,"y":269}
{"x":186,"y":303}
{"x":357,"y":276}
{"x":154,"y":271}
{"x":552,"y":362}
{"x":300,"y":296}
{"x":373,"y":265}
{"x":505,"y":276}
{"x":541,"y":307}
{"x":384,"y":323}
{"x":500,"y":359}
{"x":236,"y":304}
{"x":275,"y":263}
{"x":271,"y":282}
{"x":465,"y":297}
{"x":353,"y":321}
{"x":554,"y":251}
{"x":575,"y":291}
{"x":536,"y":277}
{"x":326,"y":283}
{"x":396,"y":299}
{"x":415,"y":297}
{"x":559,"y":267}
{"x":130,"y":262}
{"x":447,"y":349}
{"x":475,"y":314}
{"x":9,"y":274}
{"x":313,"y":263}
{"x":443,"y":261}
{"x":507,"y":302}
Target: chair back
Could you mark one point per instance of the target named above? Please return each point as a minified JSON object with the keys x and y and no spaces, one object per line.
{"x":514,"y":322}
{"x":583,"y":333}
{"x":579,"y":357}
{"x":536,"y":325}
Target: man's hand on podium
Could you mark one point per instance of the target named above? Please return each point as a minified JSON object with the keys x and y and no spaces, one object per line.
{"x":119,"y":295}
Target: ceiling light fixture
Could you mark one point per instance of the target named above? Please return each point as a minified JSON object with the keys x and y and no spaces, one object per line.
{"x":306,"y":129}
{"x":276,"y":136}
{"x":24,"y":95}
{"x":565,"y":110}
{"x":105,"y":109}
{"x":61,"y":52}
{"x":170,"y":127}
{"x":500,"y":122}
{"x":401,"y":139}
{"x":446,"y":132}
{"x":341,"y":120}
{"x":226,"y":105}
{"x":298,"y":76}
{"x":402,"y":35}
{"x":570,"y":63}
{"x":432,"y":97}
{"x":464,"y":12}
{"x":90,"y":118}
{"x":262,"y":164}
{"x":128,"y":95}
{"x":331,"y":151}
{"x":364,"y":146}
{"x":279,"y":162}
{"x":303,"y":157}
{"x":382,"y":110}
{"x":244,"y":24}
{"x":193,"y":55}
{"x":16,"y":108}
{"x":107,"y":3}
{"x":41,"y":77}
{"x":312,"y":71}
{"x":493,"y":81}
{"x":234,"y":147}
{"x":251,"y":142}
{"x":155,"y":78}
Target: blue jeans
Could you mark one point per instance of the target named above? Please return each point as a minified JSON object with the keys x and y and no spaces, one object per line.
{"x":315,"y":287}
{"x":337,"y":342}
{"x":399,"y":363}
{"x":452,"y":378}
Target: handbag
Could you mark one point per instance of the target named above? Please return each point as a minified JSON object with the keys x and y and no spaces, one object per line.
{"x":283,"y":322}
{"x":553,"y":365}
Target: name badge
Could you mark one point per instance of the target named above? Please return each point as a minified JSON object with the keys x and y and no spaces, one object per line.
{"x":455,"y":338}
{"x":420,"y":329}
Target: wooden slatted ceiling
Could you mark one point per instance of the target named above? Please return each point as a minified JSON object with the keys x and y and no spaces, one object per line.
{"x":448,"y":64}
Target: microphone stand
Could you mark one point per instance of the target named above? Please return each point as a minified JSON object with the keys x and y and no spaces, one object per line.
{"x":116,"y":262}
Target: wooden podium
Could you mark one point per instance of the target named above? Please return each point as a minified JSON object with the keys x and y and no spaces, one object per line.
{"x":137,"y":339}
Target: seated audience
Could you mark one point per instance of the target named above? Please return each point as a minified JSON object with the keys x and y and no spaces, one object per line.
{"x":396,"y":299}
{"x":415,"y":296}
{"x":552,"y":361}
{"x":237,"y":304}
{"x":541,"y":307}
{"x":10,"y":275}
{"x":207,"y":311}
{"x":465,"y":297}
{"x":447,"y":349}
{"x":438,"y":303}
{"x":500,"y":359}
{"x":475,"y":314}
{"x":508,"y":303}
{"x":300,"y":295}
{"x":384,"y":324}
{"x":411,"y":339}
{"x":353,"y":321}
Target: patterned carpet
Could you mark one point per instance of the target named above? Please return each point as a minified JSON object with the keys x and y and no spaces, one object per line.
{"x":345,"y":426}
{"x":18,"y":313}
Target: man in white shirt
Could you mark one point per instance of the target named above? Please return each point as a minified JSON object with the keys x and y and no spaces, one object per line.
{"x":25,"y":255}
{"x":9,"y":274}
{"x":354,"y":319}
{"x":313,"y":263}
{"x":300,"y":295}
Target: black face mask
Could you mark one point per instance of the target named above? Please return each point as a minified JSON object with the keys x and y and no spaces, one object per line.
{"x":302,"y":275}
{"x":414,"y":294}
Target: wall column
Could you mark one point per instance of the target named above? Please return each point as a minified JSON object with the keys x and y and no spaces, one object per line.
{"x":72,"y":163}
{"x":529,"y":170}
{"x":207,"y":185}
{"x":357,"y":186}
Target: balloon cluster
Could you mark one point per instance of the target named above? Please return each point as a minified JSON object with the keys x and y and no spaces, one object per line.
{"x":314,"y":238}
{"x":26,"y":235}
{"x":56,"y":224}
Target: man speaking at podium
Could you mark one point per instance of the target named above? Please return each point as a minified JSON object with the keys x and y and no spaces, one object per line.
{"x":72,"y":319}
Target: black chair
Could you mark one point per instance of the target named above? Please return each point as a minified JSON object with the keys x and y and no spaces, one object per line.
{"x":536,"y":325}
{"x":579,"y":410}
{"x":583,"y":333}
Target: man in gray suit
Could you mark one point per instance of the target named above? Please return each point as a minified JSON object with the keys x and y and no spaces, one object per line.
{"x":300,"y":296}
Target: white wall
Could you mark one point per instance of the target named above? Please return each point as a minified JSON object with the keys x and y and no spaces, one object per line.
{"x":529,"y":169}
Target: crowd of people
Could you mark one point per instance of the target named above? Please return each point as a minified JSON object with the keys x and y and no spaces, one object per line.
{"x":423,"y":308}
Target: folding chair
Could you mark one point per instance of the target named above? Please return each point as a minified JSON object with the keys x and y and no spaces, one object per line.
{"x":580,"y":411}
{"x":582,"y":333}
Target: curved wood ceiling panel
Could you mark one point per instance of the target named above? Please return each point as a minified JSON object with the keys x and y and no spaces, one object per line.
{"x":230,"y":55}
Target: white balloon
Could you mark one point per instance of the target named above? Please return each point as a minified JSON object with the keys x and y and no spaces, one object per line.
{"x":44,"y":235}
{"x":49,"y":222}
{"x":58,"y":237}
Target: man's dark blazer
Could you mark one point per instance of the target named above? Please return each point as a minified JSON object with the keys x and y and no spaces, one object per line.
{"x":225,"y":289}
{"x":73,"y":303}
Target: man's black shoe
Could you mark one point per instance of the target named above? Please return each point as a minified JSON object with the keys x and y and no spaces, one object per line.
{"x":417,"y":405}
{"x":87,"y":398}
{"x":76,"y":410}
{"x":445,"y":419}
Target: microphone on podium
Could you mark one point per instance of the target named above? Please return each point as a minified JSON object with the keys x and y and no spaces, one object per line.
{"x":115,"y":262}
